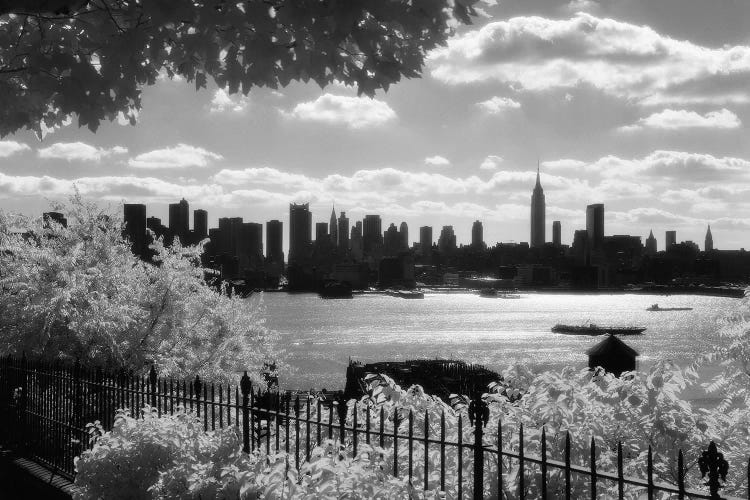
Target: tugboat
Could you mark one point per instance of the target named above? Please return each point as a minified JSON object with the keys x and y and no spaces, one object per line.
{"x":656,"y":308}
{"x":592,"y":329}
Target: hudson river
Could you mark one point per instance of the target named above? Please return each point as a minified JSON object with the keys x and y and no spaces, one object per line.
{"x":320,"y":335}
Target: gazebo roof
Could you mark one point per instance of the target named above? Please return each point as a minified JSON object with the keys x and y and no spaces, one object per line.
{"x":610,"y":346}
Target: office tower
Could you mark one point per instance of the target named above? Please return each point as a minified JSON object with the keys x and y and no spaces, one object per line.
{"x":334,"y":228}
{"x":200,"y":225}
{"x":343,"y":231}
{"x":212,"y":248}
{"x":321,"y":232}
{"x":709,"y":240}
{"x":671,"y":239}
{"x":179,"y":220}
{"x":60,"y":218}
{"x":275,"y":241}
{"x":134,"y":216}
{"x":447,"y":239}
{"x":372,"y":234}
{"x":477,"y":234}
{"x":403,"y":232}
{"x":651,"y":244}
{"x":595,"y":225}
{"x":425,"y":239}
{"x":537,"y":214}
{"x":580,"y":248}
{"x":300,"y":229}
{"x":391,"y":240}
{"x":155,"y":225}
{"x":355,"y":243}
{"x":250,"y":245}
{"x":230,"y":231}
{"x":556,"y":234}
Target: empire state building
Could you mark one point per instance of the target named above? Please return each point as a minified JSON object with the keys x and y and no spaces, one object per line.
{"x":537,"y":214}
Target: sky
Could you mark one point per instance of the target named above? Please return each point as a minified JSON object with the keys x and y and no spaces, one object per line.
{"x":643,"y":105}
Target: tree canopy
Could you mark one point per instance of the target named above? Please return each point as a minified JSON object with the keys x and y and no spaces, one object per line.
{"x":91,"y":58}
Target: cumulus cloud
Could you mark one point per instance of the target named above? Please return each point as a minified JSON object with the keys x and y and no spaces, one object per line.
{"x":671,"y":119}
{"x":180,"y":156}
{"x":621,"y":59}
{"x":223,"y":102}
{"x":563,"y":164}
{"x":491,"y":162}
{"x":352,"y":112}
{"x":437,"y":161}
{"x":497,"y":105}
{"x":9,"y":148}
{"x":78,"y":151}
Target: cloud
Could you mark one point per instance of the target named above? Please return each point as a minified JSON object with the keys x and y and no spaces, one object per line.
{"x":496,"y":105}
{"x":352,"y":112}
{"x":223,"y":102}
{"x":563,"y":164}
{"x":671,"y":119}
{"x":437,"y":161}
{"x":9,"y":148}
{"x":618,"y":58}
{"x":491,"y":162}
{"x":78,"y":151}
{"x":180,"y":156}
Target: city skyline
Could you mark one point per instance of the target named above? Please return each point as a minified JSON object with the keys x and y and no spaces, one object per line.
{"x":531,"y":82}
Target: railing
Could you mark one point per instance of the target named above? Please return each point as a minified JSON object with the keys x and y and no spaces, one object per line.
{"x":44,"y":409}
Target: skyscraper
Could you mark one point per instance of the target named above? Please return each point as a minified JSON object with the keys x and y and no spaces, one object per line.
{"x":537,"y":214}
{"x":343,"y":230}
{"x":447,"y":239}
{"x":250,"y":243}
{"x":651,"y":244}
{"x":300,"y":229}
{"x":671,"y":239}
{"x":425,"y":240}
{"x":134,"y":217}
{"x":556,"y":234}
{"x":477,"y":234}
{"x":275,"y":241}
{"x":403,"y":232}
{"x":595,"y":225}
{"x":179,"y":220}
{"x":372,"y":234}
{"x":200,"y":224}
{"x":334,"y":228}
{"x":321,"y":231}
{"x":391,"y":240}
{"x":709,"y":240}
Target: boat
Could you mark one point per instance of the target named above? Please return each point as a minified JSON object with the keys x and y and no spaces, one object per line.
{"x":509,"y":296}
{"x":592,"y":329}
{"x":655,"y":307}
{"x":488,"y":292}
{"x":410,"y":294}
{"x":336,"y":290}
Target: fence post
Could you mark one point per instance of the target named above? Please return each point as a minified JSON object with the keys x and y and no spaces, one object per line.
{"x":23,"y":400}
{"x":245,"y":386}
{"x":712,"y":463}
{"x":479,"y":414}
{"x":152,"y":384}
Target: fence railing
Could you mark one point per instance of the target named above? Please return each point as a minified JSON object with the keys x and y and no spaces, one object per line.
{"x":44,"y":409}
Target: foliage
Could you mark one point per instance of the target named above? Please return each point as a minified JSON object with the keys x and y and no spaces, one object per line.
{"x":79,"y":292}
{"x":92,"y":57}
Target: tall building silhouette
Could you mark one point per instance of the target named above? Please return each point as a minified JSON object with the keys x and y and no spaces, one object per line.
{"x":250,"y":243}
{"x":300,"y":230}
{"x":709,"y":240}
{"x":372,"y":234}
{"x":425,"y":239}
{"x":595,"y":225}
{"x":321,"y":232}
{"x":403,"y":232}
{"x":556,"y":234}
{"x":332,"y":224}
{"x":343,"y":231}
{"x":200,"y":225}
{"x":537,"y":214}
{"x":179,"y":220}
{"x":651,"y":244}
{"x":477,"y":234}
{"x":391,"y":240}
{"x":275,"y":241}
{"x":134,"y":216}
{"x":670,"y":239}
{"x":447,"y":239}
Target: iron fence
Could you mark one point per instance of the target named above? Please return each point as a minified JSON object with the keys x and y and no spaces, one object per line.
{"x":45,"y":408}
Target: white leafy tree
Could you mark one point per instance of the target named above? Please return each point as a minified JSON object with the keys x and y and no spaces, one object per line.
{"x":79,"y":292}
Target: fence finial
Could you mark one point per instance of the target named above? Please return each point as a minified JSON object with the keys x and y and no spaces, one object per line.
{"x":712,"y":463}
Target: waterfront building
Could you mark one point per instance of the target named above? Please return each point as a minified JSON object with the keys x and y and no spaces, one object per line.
{"x":249,"y":241}
{"x":477,"y":235}
{"x":275,"y":241}
{"x":580,"y":248}
{"x":134,"y":217}
{"x":425,"y":240}
{"x":671,"y":239}
{"x":355,"y":242}
{"x":200,"y":225}
{"x":447,"y":240}
{"x":595,"y":226}
{"x":556,"y":234}
{"x":321,"y":232}
{"x":403,"y":232}
{"x":300,"y":229}
{"x":155,"y":225}
{"x":709,"y":245}
{"x":333,"y":227}
{"x":537,"y":214}
{"x":229,"y":229}
{"x":391,"y":240}
{"x":179,"y":220}
{"x":651,"y":244}
{"x":343,"y":232}
{"x":372,"y":234}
